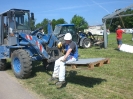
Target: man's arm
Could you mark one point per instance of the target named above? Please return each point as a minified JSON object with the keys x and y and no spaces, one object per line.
{"x":67,"y":54}
{"x":123,"y":31}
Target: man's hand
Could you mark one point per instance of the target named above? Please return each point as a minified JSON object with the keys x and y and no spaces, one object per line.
{"x":124,"y":31}
{"x":66,"y":55}
{"x":63,"y":60}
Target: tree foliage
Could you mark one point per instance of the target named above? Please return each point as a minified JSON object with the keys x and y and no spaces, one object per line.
{"x":45,"y":22}
{"x":80,"y":22}
{"x":59,"y":21}
{"x":32,"y":24}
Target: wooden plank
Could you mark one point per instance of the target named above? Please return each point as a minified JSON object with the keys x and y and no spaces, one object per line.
{"x":89,"y":63}
{"x":86,"y":61}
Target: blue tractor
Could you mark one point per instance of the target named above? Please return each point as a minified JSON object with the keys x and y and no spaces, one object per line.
{"x":25,"y":46}
{"x":80,"y":38}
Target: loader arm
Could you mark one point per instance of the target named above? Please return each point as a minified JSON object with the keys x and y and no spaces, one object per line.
{"x":33,"y":41}
{"x":45,"y":45}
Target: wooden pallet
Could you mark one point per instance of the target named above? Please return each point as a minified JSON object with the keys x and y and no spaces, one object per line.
{"x":89,"y":63}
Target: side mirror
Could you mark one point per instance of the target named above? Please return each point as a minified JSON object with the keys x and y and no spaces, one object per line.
{"x":32,"y":16}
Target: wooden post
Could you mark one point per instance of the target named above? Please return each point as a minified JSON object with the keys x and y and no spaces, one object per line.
{"x":90,"y":66}
{"x":74,"y":66}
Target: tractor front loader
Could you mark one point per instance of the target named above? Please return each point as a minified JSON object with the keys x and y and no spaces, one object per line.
{"x":24,"y":46}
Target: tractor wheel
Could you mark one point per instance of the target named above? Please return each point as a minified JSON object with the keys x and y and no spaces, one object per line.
{"x":2,"y":64}
{"x":48,"y":66}
{"x":86,"y":43}
{"x":21,"y":64}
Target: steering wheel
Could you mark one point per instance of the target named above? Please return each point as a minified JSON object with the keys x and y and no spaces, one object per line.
{"x":36,"y":31}
{"x":39,"y":35}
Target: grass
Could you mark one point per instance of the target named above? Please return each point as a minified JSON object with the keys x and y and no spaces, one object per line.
{"x":111,"y":81}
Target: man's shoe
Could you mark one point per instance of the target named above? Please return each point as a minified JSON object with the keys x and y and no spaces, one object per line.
{"x":53,"y":81}
{"x":60,"y":84}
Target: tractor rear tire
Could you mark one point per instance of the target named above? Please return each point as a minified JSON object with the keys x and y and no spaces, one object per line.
{"x":2,"y":64}
{"x":86,"y":43}
{"x":21,"y":63}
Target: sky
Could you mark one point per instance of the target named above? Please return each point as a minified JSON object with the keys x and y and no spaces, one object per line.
{"x":91,"y":10}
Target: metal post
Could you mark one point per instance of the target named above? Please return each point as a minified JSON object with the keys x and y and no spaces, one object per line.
{"x":105,"y":34}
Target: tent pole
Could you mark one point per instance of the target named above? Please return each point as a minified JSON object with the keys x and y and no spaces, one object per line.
{"x":105,"y":35}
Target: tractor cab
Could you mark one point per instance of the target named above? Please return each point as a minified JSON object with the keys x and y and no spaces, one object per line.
{"x":61,"y":29}
{"x":18,"y":21}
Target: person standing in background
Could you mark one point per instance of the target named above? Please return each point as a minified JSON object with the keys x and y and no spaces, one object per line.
{"x":119,"y":33}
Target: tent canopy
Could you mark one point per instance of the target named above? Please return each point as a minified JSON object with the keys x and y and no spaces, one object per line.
{"x":113,"y":15}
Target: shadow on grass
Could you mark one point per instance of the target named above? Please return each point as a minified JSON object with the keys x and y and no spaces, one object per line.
{"x":71,"y":76}
{"x":98,"y":48}
{"x":38,"y":67}
{"x":82,"y":80}
{"x":117,"y":49}
{"x":8,"y":65}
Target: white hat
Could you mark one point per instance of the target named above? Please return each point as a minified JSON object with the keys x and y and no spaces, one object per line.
{"x":68,"y":36}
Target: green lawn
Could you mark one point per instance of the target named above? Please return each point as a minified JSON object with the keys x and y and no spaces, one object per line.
{"x":111,"y":81}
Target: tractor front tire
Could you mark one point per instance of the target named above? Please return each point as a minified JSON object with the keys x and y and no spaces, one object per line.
{"x":2,"y":64}
{"x":21,"y":63}
{"x":86,"y":43}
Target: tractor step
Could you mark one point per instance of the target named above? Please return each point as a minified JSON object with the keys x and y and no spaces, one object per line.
{"x":89,"y":63}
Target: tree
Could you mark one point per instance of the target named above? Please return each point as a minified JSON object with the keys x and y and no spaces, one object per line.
{"x":38,"y":25}
{"x":59,"y":21}
{"x":53,"y":23}
{"x":43,"y":24}
{"x":32,"y":24}
{"x":80,"y":22}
